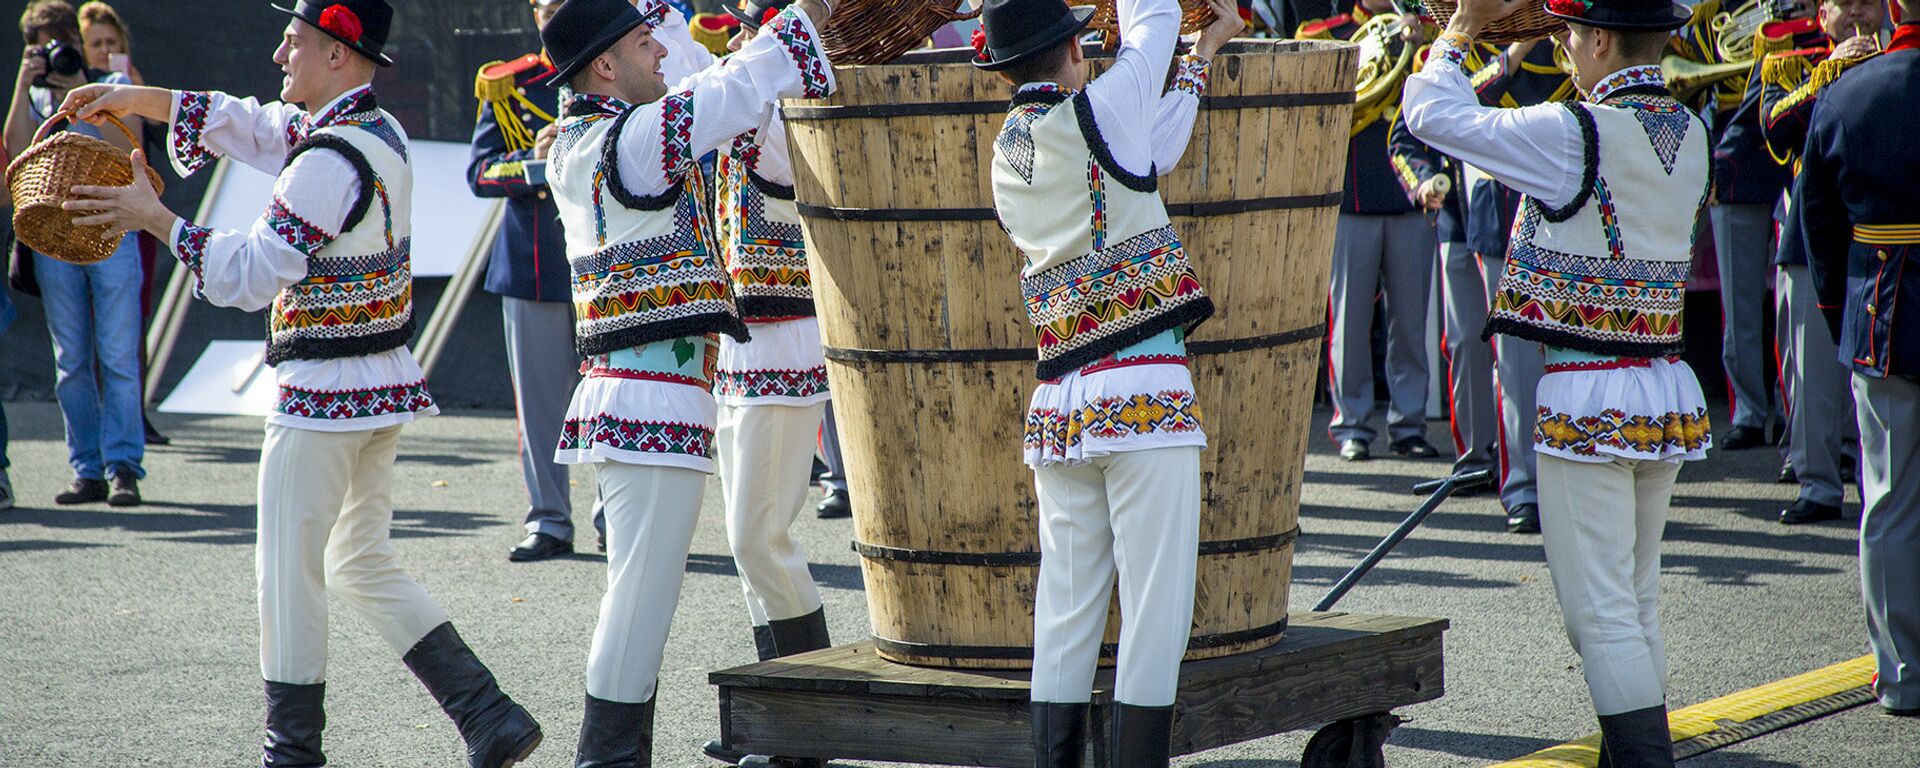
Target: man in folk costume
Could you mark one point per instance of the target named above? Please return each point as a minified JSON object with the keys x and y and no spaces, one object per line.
{"x":527,"y":269}
{"x":1523,"y":74}
{"x":330,"y":258}
{"x":1821,"y":421}
{"x":1113,"y":432}
{"x":650,"y":293}
{"x":772,"y":389}
{"x":1859,"y":214}
{"x":1596,"y":273}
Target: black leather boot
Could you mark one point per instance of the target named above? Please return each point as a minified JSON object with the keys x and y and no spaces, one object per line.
{"x":296,"y":714}
{"x":1059,"y":735}
{"x":1637,"y":739}
{"x":615,"y":735}
{"x":1142,"y":736}
{"x":497,"y":731}
{"x":800,"y":634}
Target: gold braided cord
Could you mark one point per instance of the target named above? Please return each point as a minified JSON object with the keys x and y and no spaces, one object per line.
{"x":1820,"y":77}
{"x":503,"y":94}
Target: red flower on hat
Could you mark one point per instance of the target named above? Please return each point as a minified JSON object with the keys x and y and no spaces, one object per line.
{"x":1576,"y":8}
{"x":980,"y":44}
{"x":766,"y":18}
{"x":342,"y":22}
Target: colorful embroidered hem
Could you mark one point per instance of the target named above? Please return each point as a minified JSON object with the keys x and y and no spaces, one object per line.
{"x":190,"y":112}
{"x":354,"y":404}
{"x":190,"y":247}
{"x":1191,"y":75}
{"x":1615,"y":432}
{"x":1064,"y":435}
{"x":751,"y":385}
{"x":1104,"y":301}
{"x":801,"y":46}
{"x":1613,"y":306}
{"x":636,"y":436}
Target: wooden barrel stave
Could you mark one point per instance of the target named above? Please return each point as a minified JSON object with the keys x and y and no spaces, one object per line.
{"x":933,"y":446}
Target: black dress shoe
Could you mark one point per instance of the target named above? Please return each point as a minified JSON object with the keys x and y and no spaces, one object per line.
{"x":153,"y":436}
{"x":1804,"y":511}
{"x":1415,"y":447}
{"x":539,"y":546}
{"x":714,"y":750}
{"x":125,"y":489}
{"x":1788,"y":476}
{"x":836,"y":505}
{"x":1523,"y":518}
{"x":1742,"y":438}
{"x":601,"y":539}
{"x":83,"y":491}
{"x":1892,"y":712}
{"x":1355,"y":449}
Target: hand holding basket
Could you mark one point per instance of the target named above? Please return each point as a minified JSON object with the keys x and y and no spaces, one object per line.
{"x":43,"y":177}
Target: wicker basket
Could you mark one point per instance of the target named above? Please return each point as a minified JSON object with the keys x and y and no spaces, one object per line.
{"x":1531,"y":22}
{"x":878,"y":31}
{"x":1195,"y":15}
{"x":42,"y":178}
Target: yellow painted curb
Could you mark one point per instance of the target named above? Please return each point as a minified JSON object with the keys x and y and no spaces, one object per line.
{"x":1705,"y":717}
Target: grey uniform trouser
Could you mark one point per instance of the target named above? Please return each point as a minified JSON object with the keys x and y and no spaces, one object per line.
{"x":836,"y":477}
{"x":1518,"y":365}
{"x":1475,"y":416}
{"x":1742,"y":237}
{"x":1820,"y":418}
{"x":544,"y":370}
{"x":1890,"y":531}
{"x":1394,"y":251}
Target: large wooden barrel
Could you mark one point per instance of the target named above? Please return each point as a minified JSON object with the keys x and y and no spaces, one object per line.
{"x":930,"y":352}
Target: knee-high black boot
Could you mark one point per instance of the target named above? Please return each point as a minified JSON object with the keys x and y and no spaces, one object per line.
{"x":296,"y":714}
{"x":1142,"y":736}
{"x":498,"y":732}
{"x":1637,"y":739}
{"x":762,"y":645}
{"x":800,"y":634}
{"x":616,"y":735}
{"x":1059,"y":735}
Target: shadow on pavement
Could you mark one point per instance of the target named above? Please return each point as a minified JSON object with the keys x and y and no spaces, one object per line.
{"x":827,"y":575}
{"x":43,"y":545}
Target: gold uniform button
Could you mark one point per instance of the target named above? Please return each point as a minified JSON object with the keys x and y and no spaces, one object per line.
{"x":542,"y":195}
{"x":1872,"y":311}
{"x":1869,"y":360}
{"x":1883,"y":254}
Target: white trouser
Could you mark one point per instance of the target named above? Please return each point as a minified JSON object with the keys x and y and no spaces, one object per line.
{"x":1138,"y":512}
{"x":651,"y":512}
{"x":1890,"y":531}
{"x":765,"y":453}
{"x":1601,"y":524}
{"x":325,"y":510}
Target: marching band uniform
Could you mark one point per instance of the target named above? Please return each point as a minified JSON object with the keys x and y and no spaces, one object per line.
{"x":1382,"y":245}
{"x":329,"y":259}
{"x":1855,"y":207}
{"x":1492,"y":208}
{"x":1821,"y":423}
{"x":1112,"y":430}
{"x":527,"y":268}
{"x":1746,"y":185}
{"x":1471,"y":417}
{"x":1618,"y":410}
{"x":649,"y":295}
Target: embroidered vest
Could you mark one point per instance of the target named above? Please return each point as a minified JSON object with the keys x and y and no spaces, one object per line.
{"x":1607,"y":274}
{"x":1105,"y":270}
{"x":760,"y":234}
{"x":357,"y":297}
{"x":644,"y":268}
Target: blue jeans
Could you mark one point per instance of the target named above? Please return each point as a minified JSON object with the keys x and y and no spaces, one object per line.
{"x":93,"y":313}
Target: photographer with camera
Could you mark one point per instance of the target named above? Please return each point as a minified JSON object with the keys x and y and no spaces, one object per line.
{"x":93,"y":311}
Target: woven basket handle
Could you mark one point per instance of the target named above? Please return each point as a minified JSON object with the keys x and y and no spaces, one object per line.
{"x":953,"y":14}
{"x":72,"y":115}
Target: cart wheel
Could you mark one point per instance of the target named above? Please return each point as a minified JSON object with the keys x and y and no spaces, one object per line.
{"x":1351,"y":743}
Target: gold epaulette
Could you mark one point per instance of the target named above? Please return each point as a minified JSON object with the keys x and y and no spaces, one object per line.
{"x":497,"y":80}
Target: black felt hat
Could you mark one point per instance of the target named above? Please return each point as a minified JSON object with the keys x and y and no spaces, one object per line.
{"x":583,"y":29}
{"x":1018,"y":29}
{"x":1623,"y":15}
{"x":752,"y":12}
{"x":360,"y":24}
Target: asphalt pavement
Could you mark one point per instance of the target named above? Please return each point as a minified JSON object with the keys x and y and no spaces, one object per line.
{"x":128,"y":636}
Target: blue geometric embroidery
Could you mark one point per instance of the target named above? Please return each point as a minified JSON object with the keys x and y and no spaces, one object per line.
{"x":1666,"y":125}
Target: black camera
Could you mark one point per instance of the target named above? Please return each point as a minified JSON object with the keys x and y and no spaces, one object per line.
{"x":61,"y":58}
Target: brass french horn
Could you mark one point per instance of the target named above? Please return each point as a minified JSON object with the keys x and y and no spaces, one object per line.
{"x":1382,"y":70}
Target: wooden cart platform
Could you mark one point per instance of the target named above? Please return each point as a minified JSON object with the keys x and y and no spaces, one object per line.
{"x":846,"y":702}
